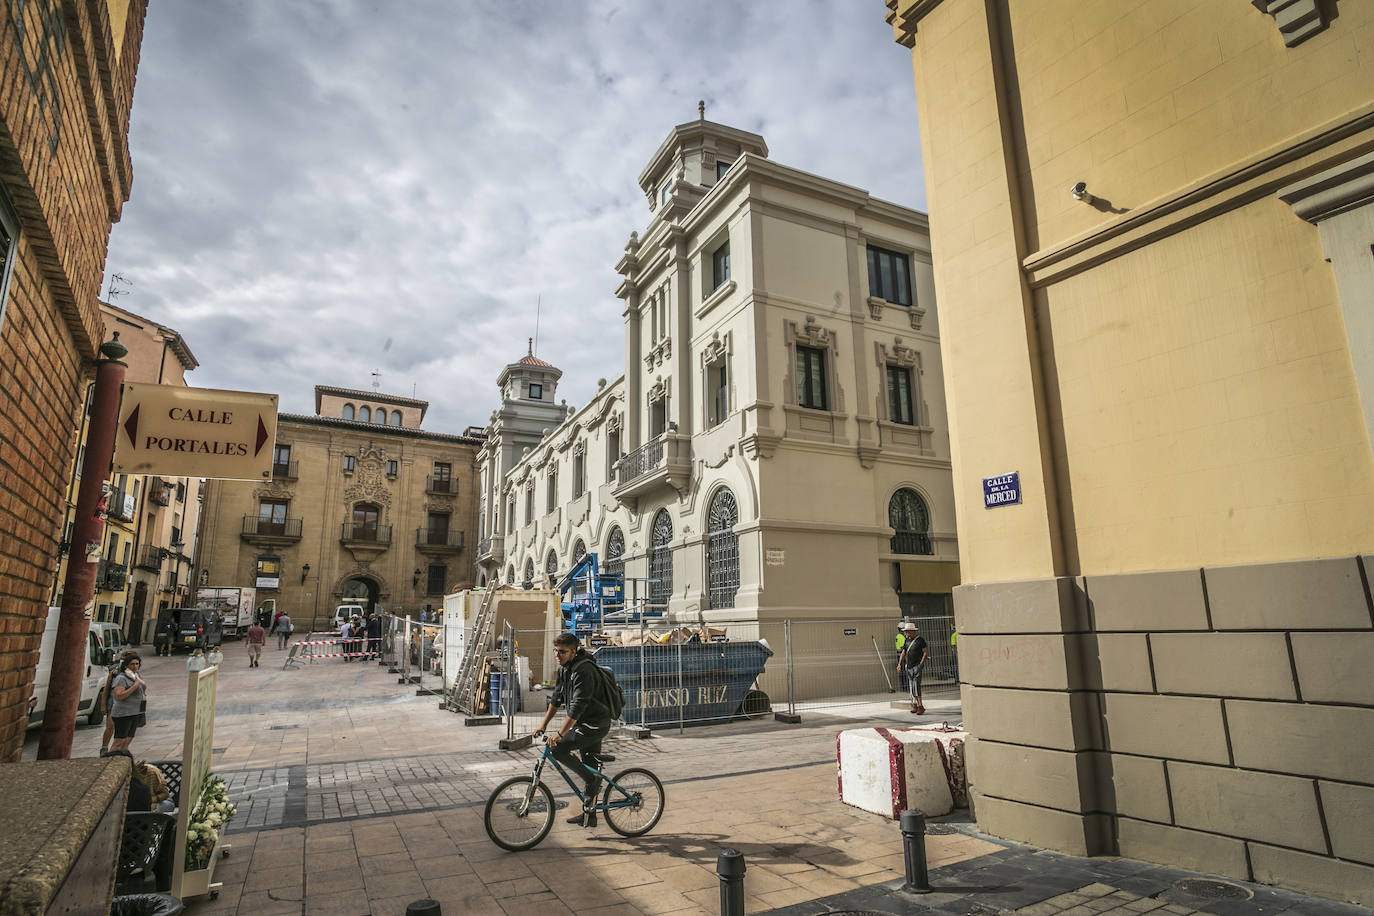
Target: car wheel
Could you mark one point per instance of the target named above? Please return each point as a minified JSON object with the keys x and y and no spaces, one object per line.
{"x":97,"y":713}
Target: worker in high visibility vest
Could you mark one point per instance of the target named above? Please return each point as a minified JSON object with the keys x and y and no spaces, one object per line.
{"x":901,"y":644}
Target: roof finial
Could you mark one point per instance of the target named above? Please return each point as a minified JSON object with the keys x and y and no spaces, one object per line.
{"x":531,"y":340}
{"x":701,"y":109}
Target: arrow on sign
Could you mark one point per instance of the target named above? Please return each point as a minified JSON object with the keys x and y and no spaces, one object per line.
{"x":131,"y":425}
{"x":262,"y":436}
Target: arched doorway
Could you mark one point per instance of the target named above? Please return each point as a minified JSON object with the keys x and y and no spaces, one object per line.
{"x":359,"y":591}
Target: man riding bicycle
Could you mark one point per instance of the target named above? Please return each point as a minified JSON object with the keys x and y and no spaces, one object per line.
{"x":579,"y":687}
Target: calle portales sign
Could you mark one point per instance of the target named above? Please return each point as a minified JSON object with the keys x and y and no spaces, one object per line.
{"x":195,"y":432}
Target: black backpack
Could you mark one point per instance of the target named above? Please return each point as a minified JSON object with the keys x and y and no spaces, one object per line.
{"x":612,"y":695}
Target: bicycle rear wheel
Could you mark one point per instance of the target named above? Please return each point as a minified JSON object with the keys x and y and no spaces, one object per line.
{"x":510,"y":822}
{"x":634,"y":803}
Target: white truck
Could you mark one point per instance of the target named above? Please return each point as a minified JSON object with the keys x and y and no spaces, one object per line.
{"x":236,"y":605}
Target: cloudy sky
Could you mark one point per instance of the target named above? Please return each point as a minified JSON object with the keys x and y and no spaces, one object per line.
{"x":327,"y":189}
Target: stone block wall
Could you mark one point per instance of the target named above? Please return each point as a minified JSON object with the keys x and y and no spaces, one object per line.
{"x":69,"y":72}
{"x":1218,"y":718}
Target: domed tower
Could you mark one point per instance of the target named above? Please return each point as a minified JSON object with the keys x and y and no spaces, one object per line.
{"x":528,"y":411}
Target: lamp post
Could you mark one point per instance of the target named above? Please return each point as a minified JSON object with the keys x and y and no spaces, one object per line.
{"x":305,"y":571}
{"x":64,"y":685}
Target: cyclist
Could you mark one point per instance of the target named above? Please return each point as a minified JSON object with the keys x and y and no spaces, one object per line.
{"x":579,"y":688}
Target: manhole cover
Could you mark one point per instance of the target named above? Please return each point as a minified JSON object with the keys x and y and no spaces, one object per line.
{"x":1207,"y":889}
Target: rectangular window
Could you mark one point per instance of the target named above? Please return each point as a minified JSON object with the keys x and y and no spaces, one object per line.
{"x":510,"y":516}
{"x":889,"y":275}
{"x":658,"y":417}
{"x":281,"y":455}
{"x":181,"y":491}
{"x":579,"y":480}
{"x":529,"y":504}
{"x":435,"y":581}
{"x":348,"y":464}
{"x":899,"y":408}
{"x":612,"y":453}
{"x":717,"y":379}
{"x":536,"y":391}
{"x":9,"y":233}
{"x":272,"y":516}
{"x":811,"y":378}
{"x":391,"y":468}
{"x":720,"y":266}
{"x":552,"y":501}
{"x":722,"y":168}
{"x":437,"y":529}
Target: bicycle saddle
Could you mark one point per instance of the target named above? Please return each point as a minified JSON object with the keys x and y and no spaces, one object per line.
{"x":606,"y":758}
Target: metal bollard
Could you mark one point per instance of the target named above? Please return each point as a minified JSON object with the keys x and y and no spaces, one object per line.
{"x":730,"y":867}
{"x":914,"y":852}
{"x":424,"y":907}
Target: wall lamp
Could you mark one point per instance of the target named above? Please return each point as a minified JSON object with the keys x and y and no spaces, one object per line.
{"x":1080,"y":192}
{"x":305,"y":571}
{"x":415,"y":579}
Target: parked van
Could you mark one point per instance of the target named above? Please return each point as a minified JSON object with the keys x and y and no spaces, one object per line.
{"x":346,"y":612}
{"x":94,"y":668}
{"x":197,"y":627}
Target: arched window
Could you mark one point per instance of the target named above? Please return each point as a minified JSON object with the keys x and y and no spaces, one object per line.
{"x":661,"y":561}
{"x":379,"y":416}
{"x":348,"y":412}
{"x":365,"y":414}
{"x":395,"y":418}
{"x":907,"y":513}
{"x":579,"y":551}
{"x":722,"y":549}
{"x":510,"y":574}
{"x":551,"y":566}
{"x":529,"y":575}
{"x":614,"y":564}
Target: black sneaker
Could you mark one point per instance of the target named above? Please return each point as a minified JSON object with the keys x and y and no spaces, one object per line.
{"x":584,"y":819}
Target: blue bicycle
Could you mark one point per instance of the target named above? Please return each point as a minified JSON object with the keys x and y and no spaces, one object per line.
{"x":520,"y":811}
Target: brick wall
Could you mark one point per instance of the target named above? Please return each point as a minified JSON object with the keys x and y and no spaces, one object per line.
{"x":64,"y":168}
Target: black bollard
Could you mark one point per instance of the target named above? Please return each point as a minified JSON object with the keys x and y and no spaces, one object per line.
{"x":730,"y":867}
{"x":424,"y":907}
{"x":914,"y":852}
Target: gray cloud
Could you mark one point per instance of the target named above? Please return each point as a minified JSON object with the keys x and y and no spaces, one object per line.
{"x":315,"y":179}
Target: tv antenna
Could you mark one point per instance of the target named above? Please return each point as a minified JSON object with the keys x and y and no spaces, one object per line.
{"x":537,"y":303}
{"x":376,"y":380}
{"x":115,"y":286}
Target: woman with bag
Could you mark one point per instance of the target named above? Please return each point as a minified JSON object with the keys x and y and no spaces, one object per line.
{"x":130,"y":701}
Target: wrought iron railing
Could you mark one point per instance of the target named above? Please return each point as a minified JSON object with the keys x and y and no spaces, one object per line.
{"x":288,"y":470}
{"x":648,"y":457}
{"x":424,"y":537}
{"x":271,"y":527}
{"x":912,"y":542}
{"x":435,"y":484}
{"x":379,"y":534}
{"x":150,"y":557}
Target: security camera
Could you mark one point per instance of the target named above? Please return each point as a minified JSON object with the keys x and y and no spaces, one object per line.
{"x":1080,"y":192}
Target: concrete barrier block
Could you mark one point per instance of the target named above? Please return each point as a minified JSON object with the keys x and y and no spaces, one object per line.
{"x":1305,"y":595}
{"x":887,"y":771}
{"x":1151,"y":601}
{"x":1318,"y":875}
{"x":1243,"y":803}
{"x":1251,"y":665}
{"x":1308,"y":739}
{"x":1334,"y":667}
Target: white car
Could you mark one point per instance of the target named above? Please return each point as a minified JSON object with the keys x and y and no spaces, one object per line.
{"x":104,"y":642}
{"x":346,"y":612}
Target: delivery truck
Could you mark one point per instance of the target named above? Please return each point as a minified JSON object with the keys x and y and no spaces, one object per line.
{"x":236,"y":607}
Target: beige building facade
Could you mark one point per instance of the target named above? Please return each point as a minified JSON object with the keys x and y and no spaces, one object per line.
{"x":1156,"y":220}
{"x":364,"y":507}
{"x":149,"y":540}
{"x":776,"y":446}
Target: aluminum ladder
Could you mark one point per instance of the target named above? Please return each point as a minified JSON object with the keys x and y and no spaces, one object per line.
{"x":464,"y":686}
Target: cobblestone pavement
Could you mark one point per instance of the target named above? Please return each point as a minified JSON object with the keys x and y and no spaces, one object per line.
{"x":356,"y":796}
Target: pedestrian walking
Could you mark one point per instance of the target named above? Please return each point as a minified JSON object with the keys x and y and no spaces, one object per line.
{"x":374,"y":633}
{"x":106,"y":699}
{"x":913,"y":662}
{"x":130,"y":702}
{"x":284,"y":630}
{"x":170,"y":631}
{"x":257,"y":638}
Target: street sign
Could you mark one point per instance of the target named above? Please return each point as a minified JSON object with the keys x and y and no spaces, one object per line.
{"x":1002,"y":490}
{"x":195,"y":432}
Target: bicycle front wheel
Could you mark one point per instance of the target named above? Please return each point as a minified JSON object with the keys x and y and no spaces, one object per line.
{"x":634,"y":802}
{"x":519,"y":814}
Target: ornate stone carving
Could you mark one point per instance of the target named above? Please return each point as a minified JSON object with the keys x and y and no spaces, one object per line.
{"x":660,"y":352}
{"x":1297,"y":20}
{"x":875,"y":307}
{"x":273,"y":489}
{"x":715,"y":349}
{"x":371,"y":484}
{"x":916,"y":314}
{"x":899,"y":355}
{"x":811,"y":334}
{"x":658,"y":390}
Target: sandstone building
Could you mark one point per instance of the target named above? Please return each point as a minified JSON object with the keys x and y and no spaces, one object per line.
{"x":364,"y":507}
{"x":68,"y":70}
{"x":1156,"y":219}
{"x":776,"y":446}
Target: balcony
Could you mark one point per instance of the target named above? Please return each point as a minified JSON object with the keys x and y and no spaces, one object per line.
{"x":159,"y":491}
{"x":438,"y":541}
{"x":365,"y":542}
{"x":121,"y":506}
{"x":435,"y":484}
{"x":270,"y":530}
{"x":659,"y":463}
{"x":150,"y":558}
{"x":288,"y":470}
{"x":491,"y":550}
{"x":111,"y":577}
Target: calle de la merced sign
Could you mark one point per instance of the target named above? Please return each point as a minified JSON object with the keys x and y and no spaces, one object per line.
{"x":195,"y":432}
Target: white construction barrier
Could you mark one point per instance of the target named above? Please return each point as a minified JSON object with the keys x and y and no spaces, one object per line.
{"x":888,"y":771}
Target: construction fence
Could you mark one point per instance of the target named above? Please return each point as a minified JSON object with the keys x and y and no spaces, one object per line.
{"x":677,"y":677}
